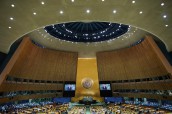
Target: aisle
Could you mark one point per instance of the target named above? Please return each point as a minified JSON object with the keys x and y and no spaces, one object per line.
{"x":88,"y":110}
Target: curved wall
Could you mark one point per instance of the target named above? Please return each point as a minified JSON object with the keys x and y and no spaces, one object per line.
{"x":141,"y":61}
{"x":40,"y":67}
{"x":44,"y":64}
{"x":34,"y":69}
{"x":140,"y":71}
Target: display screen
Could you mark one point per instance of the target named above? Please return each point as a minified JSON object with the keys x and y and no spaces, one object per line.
{"x":69,"y":87}
{"x":105,"y":87}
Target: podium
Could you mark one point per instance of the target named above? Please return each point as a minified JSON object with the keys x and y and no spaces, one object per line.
{"x":87,"y":101}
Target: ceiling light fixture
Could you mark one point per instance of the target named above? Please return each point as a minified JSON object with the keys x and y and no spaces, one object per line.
{"x":11,"y":18}
{"x":87,"y":11}
{"x":42,"y":3}
{"x":166,"y":25}
{"x":162,"y":4}
{"x":34,"y":13}
{"x":164,"y":16}
{"x":114,"y":11}
{"x":103,"y":0}
{"x":12,"y":5}
{"x":140,"y":12}
{"x":73,"y":0}
{"x":61,"y":12}
{"x":133,"y":1}
{"x":9,"y":27}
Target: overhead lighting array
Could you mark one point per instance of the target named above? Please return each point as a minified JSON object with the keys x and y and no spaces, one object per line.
{"x":88,"y":11}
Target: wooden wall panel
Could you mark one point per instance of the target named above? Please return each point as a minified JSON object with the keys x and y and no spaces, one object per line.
{"x":6,"y":87}
{"x":139,"y":95}
{"x":137,"y":62}
{"x":156,"y":85}
{"x":44,"y":64}
{"x":25,"y":97}
{"x":12,"y":61}
{"x":34,"y":63}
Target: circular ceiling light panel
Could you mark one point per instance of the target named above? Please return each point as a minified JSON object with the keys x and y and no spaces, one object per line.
{"x":87,"y":32}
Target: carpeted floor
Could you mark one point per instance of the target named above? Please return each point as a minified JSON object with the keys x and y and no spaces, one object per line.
{"x":87,"y":110}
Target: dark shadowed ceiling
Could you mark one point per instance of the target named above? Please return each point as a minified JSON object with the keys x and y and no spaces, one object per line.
{"x":87,"y":32}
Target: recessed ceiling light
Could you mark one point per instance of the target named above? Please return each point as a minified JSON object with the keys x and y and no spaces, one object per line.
{"x":87,"y":11}
{"x":133,"y":1}
{"x":34,"y":13}
{"x":9,"y":27}
{"x":162,"y":4}
{"x":164,"y":16}
{"x":166,"y":25}
{"x":12,"y":5}
{"x":73,"y":0}
{"x":114,"y":11}
{"x":11,"y":18}
{"x":103,"y":0}
{"x":140,"y":12}
{"x":42,"y":3}
{"x":61,"y":12}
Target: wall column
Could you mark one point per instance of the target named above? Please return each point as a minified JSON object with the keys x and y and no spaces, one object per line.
{"x":87,"y":69}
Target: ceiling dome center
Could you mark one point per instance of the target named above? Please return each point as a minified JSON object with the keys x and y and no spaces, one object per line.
{"x":87,"y":31}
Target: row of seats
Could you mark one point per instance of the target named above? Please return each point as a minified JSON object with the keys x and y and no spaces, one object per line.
{"x":152,"y":104}
{"x":77,"y":110}
{"x":134,"y":109}
{"x":41,"y":107}
{"x":111,"y":108}
{"x":98,"y":110}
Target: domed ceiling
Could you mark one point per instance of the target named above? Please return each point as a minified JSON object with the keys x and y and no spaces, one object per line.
{"x":87,"y":32}
{"x":88,"y":41}
{"x":31,"y":17}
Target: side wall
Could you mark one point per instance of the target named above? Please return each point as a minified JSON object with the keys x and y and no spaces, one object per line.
{"x":44,"y":64}
{"x":38,"y":71}
{"x":144,"y":60}
{"x":141,"y":71}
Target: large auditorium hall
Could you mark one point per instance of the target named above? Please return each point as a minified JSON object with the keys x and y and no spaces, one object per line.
{"x":85,"y":56}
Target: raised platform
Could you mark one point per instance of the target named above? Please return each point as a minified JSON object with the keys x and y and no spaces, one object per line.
{"x":77,"y":99}
{"x":87,"y":101}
